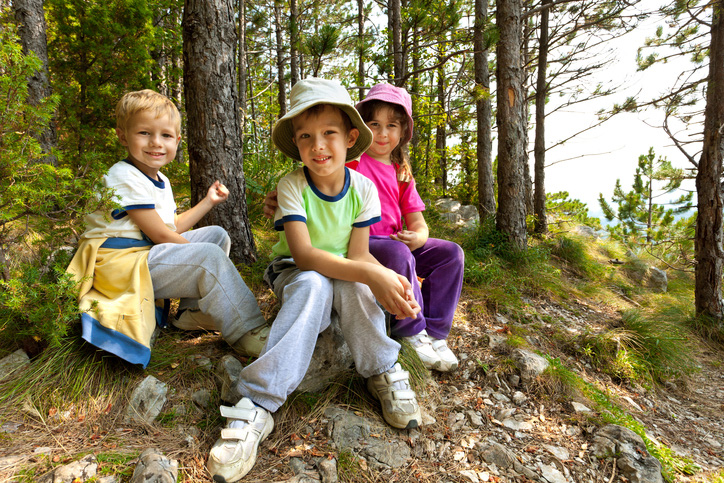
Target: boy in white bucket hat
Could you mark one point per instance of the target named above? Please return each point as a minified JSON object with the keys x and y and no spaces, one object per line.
{"x":322,"y":266}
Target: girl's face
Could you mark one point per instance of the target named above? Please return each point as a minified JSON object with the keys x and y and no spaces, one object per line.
{"x":387,"y":131}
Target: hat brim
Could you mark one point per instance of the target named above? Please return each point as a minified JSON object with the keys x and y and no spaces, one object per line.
{"x":283,"y":132}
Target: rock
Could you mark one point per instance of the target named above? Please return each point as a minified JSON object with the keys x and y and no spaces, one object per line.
{"x":12,"y":363}
{"x":452,"y":218}
{"x":531,"y":365}
{"x":469,"y":212}
{"x":656,"y":279}
{"x":328,"y":470}
{"x":154,"y":467}
{"x":202,"y":398}
{"x":147,"y":400}
{"x":580,"y":408}
{"x":447,"y":205}
{"x":586,"y":231}
{"x":552,"y":475}
{"x":632,"y":458}
{"x":227,"y":373}
{"x":83,"y":469}
{"x":351,"y":431}
{"x":330,"y":359}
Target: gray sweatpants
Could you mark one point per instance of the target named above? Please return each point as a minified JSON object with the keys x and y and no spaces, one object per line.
{"x":308,"y":301}
{"x":201,"y":274}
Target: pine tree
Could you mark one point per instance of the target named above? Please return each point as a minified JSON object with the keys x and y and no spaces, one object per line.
{"x":642,"y":221}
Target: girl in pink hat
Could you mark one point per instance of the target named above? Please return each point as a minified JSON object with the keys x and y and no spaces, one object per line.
{"x":408,"y":249}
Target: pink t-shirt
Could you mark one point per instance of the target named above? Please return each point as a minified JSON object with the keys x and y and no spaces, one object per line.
{"x":397,"y":199}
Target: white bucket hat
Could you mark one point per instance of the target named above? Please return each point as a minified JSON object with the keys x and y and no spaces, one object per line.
{"x":310,"y":92}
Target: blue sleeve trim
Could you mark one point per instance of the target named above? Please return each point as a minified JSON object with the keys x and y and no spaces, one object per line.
{"x":279,"y":224}
{"x":114,"y":342}
{"x":369,"y":222}
{"x":117,"y":214}
{"x":119,"y":242}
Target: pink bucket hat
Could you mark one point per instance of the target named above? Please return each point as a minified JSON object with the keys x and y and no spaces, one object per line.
{"x":394,"y":95}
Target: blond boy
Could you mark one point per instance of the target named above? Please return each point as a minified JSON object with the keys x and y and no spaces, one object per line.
{"x":148,"y":241}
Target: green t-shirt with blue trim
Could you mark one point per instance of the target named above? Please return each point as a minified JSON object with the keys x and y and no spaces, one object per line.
{"x":329,"y":219}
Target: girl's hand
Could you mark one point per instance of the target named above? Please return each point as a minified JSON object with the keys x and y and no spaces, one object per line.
{"x":409,"y":238}
{"x":394,"y":293}
{"x":218,"y":193}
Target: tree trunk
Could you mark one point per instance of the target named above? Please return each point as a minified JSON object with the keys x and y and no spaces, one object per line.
{"x":441,"y":131}
{"x":31,"y":21}
{"x":282,"y":92}
{"x":214,"y":134}
{"x":708,"y":288}
{"x":242,"y":69}
{"x":541,"y":91}
{"x":293,"y":42}
{"x":361,"y":48}
{"x":483,"y":109}
{"x":395,"y":24}
{"x":414,"y":94}
{"x":511,"y":212}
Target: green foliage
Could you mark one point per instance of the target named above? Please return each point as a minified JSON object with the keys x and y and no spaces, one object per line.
{"x":39,"y":206}
{"x":563,"y":208}
{"x":39,"y":303}
{"x":574,"y":252}
{"x":99,"y":50}
{"x":641,"y":349}
{"x":643,"y":223}
{"x":501,"y":274}
{"x":37,"y":200}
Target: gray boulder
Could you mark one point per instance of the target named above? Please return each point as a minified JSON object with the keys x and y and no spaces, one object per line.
{"x":632,"y":457}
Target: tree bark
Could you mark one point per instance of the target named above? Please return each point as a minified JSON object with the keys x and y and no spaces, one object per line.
{"x":441,"y":130}
{"x":395,"y":24}
{"x":214,"y":134}
{"x":483,"y":109}
{"x":708,"y":277}
{"x":282,"y":92}
{"x":361,"y":48}
{"x":293,"y":42}
{"x":541,"y":91}
{"x":510,"y":218}
{"x":32,"y":29}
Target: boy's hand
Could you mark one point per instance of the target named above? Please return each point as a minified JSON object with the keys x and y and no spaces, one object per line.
{"x":270,"y":204}
{"x":409,"y":238}
{"x":218,"y":193}
{"x":394,"y":293}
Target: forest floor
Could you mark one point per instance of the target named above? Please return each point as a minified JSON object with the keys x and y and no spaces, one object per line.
{"x":685,"y":415}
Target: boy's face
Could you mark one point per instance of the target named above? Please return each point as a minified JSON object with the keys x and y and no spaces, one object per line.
{"x":151,"y":141}
{"x":323,"y":140}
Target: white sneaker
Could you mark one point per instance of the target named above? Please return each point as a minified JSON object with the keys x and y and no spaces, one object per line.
{"x":234,"y":454}
{"x":448,"y":359}
{"x":399,"y":403}
{"x":194,"y":319}
{"x":423,"y":346}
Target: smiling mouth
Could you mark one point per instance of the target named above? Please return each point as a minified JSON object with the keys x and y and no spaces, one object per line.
{"x":322,"y":159}
{"x":155,"y":154}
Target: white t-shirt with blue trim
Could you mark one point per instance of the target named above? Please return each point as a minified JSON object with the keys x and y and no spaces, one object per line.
{"x":133,"y":190}
{"x":329,"y":219}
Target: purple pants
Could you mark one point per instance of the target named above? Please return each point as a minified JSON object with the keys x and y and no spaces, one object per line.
{"x":440,"y":263}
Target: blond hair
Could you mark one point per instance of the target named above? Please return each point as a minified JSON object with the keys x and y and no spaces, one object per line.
{"x":146,"y":100}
